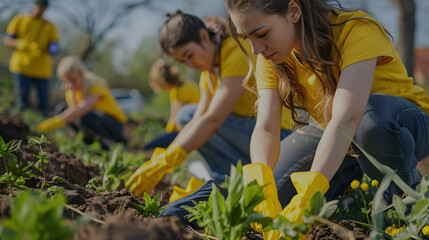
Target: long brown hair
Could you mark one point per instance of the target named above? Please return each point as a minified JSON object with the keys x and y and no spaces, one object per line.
{"x":317,"y":46}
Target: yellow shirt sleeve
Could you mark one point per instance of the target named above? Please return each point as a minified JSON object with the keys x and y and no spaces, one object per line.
{"x":233,"y":61}
{"x":208,"y":82}
{"x":265,"y":74}
{"x":12,"y":28}
{"x":187,"y":93}
{"x":362,"y":39}
{"x":69,"y":98}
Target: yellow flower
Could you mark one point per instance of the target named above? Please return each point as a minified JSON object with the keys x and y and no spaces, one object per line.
{"x":364,"y":187}
{"x":374,"y":183}
{"x":389,"y":229}
{"x":355,"y":184}
{"x":425,"y":230}
{"x":392,"y":230}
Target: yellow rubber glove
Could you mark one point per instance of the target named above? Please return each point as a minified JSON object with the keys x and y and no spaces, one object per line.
{"x":179,"y":192}
{"x":51,"y":124}
{"x":306,"y":184}
{"x":31,"y":47}
{"x":171,"y":127}
{"x":270,"y":206}
{"x":151,"y":172}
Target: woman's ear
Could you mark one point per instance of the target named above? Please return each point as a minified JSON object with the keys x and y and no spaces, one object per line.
{"x":204,"y":35}
{"x":294,"y":9}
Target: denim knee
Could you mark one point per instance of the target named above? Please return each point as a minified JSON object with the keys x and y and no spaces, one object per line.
{"x":185,"y":114}
{"x":202,"y":194}
{"x":394,"y":131}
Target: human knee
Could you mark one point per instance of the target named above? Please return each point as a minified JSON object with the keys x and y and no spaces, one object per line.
{"x":185,"y":114}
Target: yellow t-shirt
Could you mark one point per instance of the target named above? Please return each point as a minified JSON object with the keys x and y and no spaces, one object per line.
{"x":187,"y":93}
{"x":30,"y":29}
{"x":233,"y":63}
{"x":106,"y":104}
{"x":357,"y":40}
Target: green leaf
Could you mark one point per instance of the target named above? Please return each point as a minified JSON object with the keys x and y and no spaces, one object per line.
{"x":399,"y":206}
{"x":402,"y":235}
{"x":328,"y":209}
{"x":33,"y":141}
{"x":419,"y":209}
{"x":316,"y":202}
{"x":60,"y":179}
{"x":14,"y":145}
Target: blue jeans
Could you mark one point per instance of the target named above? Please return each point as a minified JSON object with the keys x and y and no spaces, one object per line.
{"x":396,"y":133}
{"x":229,"y":144}
{"x":296,"y":155}
{"x":162,"y":141}
{"x":96,"y":124}
{"x":22,"y":87}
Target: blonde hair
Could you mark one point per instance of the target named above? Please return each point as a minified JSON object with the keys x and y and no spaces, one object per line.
{"x":70,"y":65}
{"x":219,"y":24}
{"x":163,"y":73}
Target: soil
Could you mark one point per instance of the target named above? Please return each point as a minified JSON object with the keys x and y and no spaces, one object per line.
{"x":13,"y":128}
{"x":115,"y":209}
{"x":326,"y":232}
{"x":121,"y":220}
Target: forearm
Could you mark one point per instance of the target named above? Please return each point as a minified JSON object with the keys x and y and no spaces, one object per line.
{"x":264,"y":147}
{"x":332,"y":148}
{"x":10,"y":42}
{"x":71,"y":114}
{"x":196,"y":133}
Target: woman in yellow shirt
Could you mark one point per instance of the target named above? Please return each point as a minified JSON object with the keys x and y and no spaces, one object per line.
{"x":163,"y":76}
{"x":342,"y":68}
{"x":90,"y":105}
{"x":220,"y":126}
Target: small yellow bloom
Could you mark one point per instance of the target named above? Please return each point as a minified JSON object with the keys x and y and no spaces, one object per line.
{"x":364,"y":187}
{"x":425,"y":230}
{"x":374,"y":183}
{"x":392,"y":230}
{"x":355,"y":184}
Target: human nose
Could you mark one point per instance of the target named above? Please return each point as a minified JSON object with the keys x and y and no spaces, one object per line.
{"x":256,"y":47}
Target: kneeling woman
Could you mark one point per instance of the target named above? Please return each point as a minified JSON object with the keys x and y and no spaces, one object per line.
{"x":343,"y":69}
{"x":221,"y":125}
{"x":91,"y":106}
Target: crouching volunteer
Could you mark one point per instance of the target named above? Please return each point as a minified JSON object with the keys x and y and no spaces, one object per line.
{"x":220,"y":126}
{"x":90,"y":105}
{"x":164,"y":76}
{"x":343,"y":69}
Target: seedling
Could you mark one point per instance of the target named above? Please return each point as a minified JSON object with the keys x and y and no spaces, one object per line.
{"x":43,"y":159}
{"x":6,"y":153}
{"x":35,"y":217}
{"x":229,"y":218}
{"x":151,"y":206}
{"x":113,"y":173}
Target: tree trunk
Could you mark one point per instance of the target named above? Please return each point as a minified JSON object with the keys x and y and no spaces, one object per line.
{"x":405,"y":43}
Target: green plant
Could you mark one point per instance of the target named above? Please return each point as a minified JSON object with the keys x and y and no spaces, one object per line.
{"x":36,"y":217}
{"x":229,"y":218}
{"x":43,"y":159}
{"x":151,"y":206}
{"x":149,"y":129}
{"x":416,"y":200}
{"x":113,"y":173}
{"x":6,"y":154}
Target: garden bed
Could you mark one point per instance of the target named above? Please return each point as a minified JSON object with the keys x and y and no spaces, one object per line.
{"x":113,"y":213}
{"x":115,"y":209}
